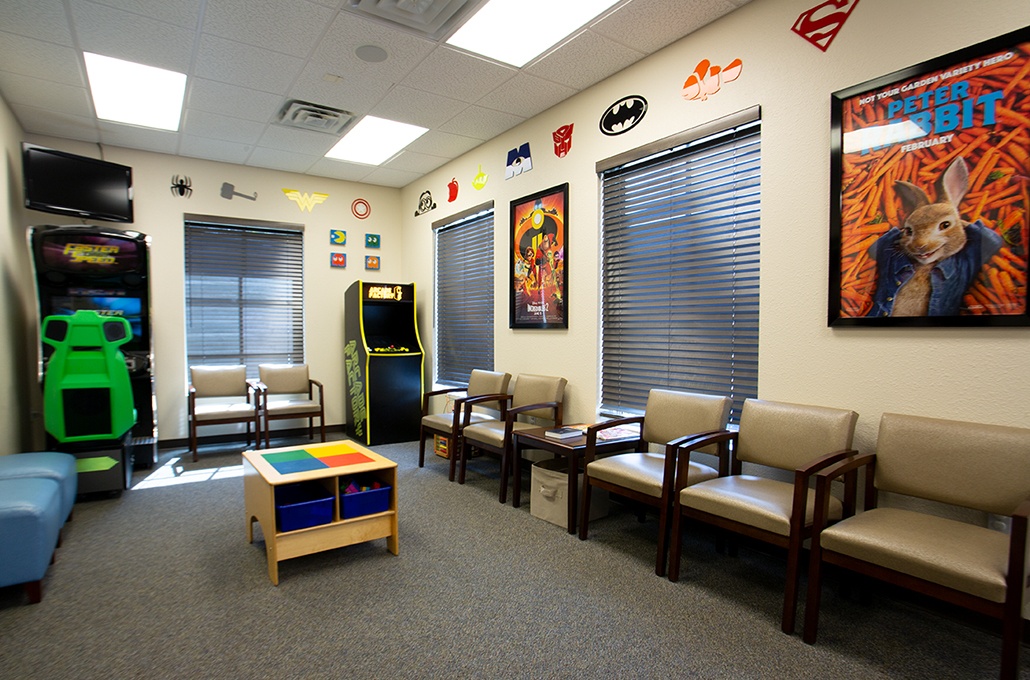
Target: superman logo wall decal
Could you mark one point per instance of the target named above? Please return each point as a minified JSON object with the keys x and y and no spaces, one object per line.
{"x":623,"y":115}
{"x":820,"y":24}
{"x":708,"y":79}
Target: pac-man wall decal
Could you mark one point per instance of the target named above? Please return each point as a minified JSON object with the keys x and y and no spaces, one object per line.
{"x":562,"y":140}
{"x":360,"y":208}
{"x":821,"y":24}
{"x":519,"y":161}
{"x":305,"y":201}
{"x":372,"y":262}
{"x":337,"y":237}
{"x":372,"y":240}
{"x":338,"y":260}
{"x":623,"y":115}
{"x":480,"y":180}
{"x":425,"y":203}
{"x":708,"y":78}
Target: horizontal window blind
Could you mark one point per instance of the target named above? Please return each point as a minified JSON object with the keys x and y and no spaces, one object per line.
{"x":464,"y":298}
{"x":244,"y":295}
{"x":680,"y":269}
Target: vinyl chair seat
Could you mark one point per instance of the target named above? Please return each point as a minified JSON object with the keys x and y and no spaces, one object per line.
{"x":756,"y":501}
{"x":642,"y":472}
{"x":955,"y":554}
{"x":287,"y":407}
{"x":442,"y":421}
{"x":222,"y":395}
{"x":207,"y":412}
{"x":288,"y":392}
{"x":491,"y":432}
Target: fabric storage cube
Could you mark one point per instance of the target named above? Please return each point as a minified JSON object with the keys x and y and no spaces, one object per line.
{"x":302,"y":505}
{"x":549,"y":497}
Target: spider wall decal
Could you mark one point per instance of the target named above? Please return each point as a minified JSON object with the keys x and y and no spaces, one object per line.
{"x":182,"y":185}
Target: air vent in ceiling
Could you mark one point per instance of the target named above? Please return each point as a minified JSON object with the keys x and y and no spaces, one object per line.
{"x":432,"y":18}
{"x":314,"y":117}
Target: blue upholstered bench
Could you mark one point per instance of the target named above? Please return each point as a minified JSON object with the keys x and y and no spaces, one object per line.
{"x":31,"y":517}
{"x":60,"y":467}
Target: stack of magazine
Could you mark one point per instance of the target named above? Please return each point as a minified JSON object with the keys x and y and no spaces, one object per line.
{"x":609,"y":434}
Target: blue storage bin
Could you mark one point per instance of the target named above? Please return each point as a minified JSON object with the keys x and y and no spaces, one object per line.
{"x":302,"y":505}
{"x":361,"y":503}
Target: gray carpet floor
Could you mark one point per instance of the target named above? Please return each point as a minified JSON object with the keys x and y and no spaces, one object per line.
{"x":161,"y":583}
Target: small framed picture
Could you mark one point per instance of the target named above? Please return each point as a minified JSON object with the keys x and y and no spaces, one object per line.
{"x":337,"y":237}
{"x":338,"y":260}
{"x":372,"y":262}
{"x":372,"y":240}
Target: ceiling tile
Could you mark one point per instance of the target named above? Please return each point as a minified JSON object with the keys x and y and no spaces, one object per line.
{"x":651,"y":25}
{"x":132,"y":137}
{"x":230,"y":100}
{"x":294,"y":31}
{"x":484,"y":124}
{"x":214,"y":149}
{"x":41,"y":19}
{"x":436,"y":143}
{"x":351,"y":93}
{"x":29,"y":91}
{"x":458,"y":75}
{"x":246,"y":65}
{"x":584,"y":60}
{"x":352,"y":172}
{"x":297,"y":141}
{"x":185,"y":13}
{"x":278,"y":159}
{"x":123,"y":35}
{"x":56,"y":123}
{"x":417,"y":107}
{"x":335,"y":53}
{"x":391,"y":178}
{"x":415,"y":162}
{"x":526,"y":95}
{"x":46,"y":61}
{"x":216,"y":126}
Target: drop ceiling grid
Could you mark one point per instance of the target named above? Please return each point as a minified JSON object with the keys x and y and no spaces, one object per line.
{"x":123,"y":35}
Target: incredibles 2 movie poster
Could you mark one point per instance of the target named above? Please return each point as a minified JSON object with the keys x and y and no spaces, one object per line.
{"x":931,"y":168}
{"x":539,"y":258}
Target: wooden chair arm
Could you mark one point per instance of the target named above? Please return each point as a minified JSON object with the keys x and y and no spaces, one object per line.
{"x":803,"y":476}
{"x":312,"y":383}
{"x":258,"y":388}
{"x":848,"y":468}
{"x":467,"y":403}
{"x":720,"y":438}
{"x":591,"y":434}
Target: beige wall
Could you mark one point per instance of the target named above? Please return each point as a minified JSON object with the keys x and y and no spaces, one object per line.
{"x":961,"y":373}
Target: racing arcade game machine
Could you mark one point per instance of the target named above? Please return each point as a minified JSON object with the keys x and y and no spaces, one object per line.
{"x":383,"y":359}
{"x":106,"y":271}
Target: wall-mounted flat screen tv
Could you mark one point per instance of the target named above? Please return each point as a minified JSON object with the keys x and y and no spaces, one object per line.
{"x":68,"y":184}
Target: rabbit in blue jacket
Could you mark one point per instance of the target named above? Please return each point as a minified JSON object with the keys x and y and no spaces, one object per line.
{"x":925,"y":267}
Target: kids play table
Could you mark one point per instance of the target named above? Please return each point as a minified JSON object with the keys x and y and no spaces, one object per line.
{"x":292,"y":527}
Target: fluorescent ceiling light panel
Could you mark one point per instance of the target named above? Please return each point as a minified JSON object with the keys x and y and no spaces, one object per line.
{"x":517,"y":31}
{"x":126,"y":92}
{"x":374,"y":140}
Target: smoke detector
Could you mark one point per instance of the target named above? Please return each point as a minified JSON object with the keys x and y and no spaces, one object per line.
{"x":314,"y":117}
{"x":432,"y":18}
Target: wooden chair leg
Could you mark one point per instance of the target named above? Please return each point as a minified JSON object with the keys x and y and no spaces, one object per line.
{"x":584,"y":513}
{"x":193,"y":439}
{"x":34,"y":589}
{"x":421,"y":447}
{"x":454,"y":445}
{"x":662,"y":558}
{"x":502,"y":495}
{"x":674,"y":544}
{"x":813,"y":598}
{"x":790,"y":591}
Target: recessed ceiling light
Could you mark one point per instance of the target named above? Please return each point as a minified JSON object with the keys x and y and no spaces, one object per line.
{"x":517,"y":31}
{"x":374,"y":141}
{"x":127,"y":92}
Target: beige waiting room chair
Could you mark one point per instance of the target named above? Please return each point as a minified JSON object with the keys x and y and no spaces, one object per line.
{"x":646,"y":477}
{"x":985,"y":468}
{"x":534,"y":396}
{"x":221,"y":395}
{"x":449,"y":425}
{"x":774,"y":436}
{"x":289,"y":392}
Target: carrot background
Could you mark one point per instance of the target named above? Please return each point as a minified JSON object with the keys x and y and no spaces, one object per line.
{"x":998,"y":157}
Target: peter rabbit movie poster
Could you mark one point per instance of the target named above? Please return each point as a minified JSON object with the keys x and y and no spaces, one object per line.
{"x":931,"y":166}
{"x":539,"y":278}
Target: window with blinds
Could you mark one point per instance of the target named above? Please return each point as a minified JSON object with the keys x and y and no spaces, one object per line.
{"x":244,"y":293}
{"x":680,"y":267}
{"x":464,"y":314}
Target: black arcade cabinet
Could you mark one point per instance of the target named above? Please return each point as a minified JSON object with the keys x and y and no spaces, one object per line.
{"x":383,"y":359}
{"x":106,"y":270}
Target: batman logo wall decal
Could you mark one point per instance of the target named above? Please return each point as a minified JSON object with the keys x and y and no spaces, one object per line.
{"x":623,"y":115}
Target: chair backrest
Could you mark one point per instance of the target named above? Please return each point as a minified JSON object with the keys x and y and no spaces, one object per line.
{"x":219,"y":381}
{"x":786,"y":436}
{"x":535,"y":389}
{"x":488,"y":382}
{"x":284,"y":378}
{"x":670,"y":414}
{"x":972,"y":465}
